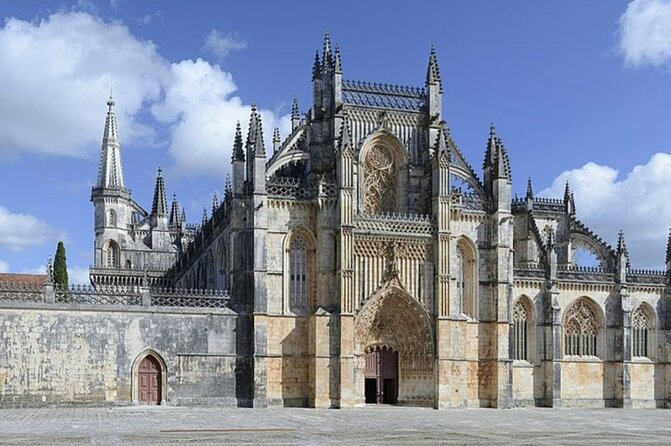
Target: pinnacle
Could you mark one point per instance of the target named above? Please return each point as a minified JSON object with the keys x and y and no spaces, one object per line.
{"x":668,"y":249}
{"x":530,"y":191}
{"x":238,"y":153}
{"x":337,"y":63}
{"x":159,"y":204}
{"x":432,"y":71}
{"x":294,"y":109}
{"x":316,"y":67}
{"x":110,"y":173}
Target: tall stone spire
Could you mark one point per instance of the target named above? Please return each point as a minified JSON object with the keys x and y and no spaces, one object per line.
{"x":316,"y":67}
{"x":277,"y":141}
{"x":255,"y":145}
{"x":159,"y":205}
{"x":110,"y":173}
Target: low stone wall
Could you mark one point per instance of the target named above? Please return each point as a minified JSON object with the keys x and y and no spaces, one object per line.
{"x":84,"y":354}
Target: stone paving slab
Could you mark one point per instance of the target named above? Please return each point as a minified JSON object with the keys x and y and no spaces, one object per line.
{"x":137,"y":426}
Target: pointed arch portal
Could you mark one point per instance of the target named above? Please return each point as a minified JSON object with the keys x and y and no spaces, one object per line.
{"x":394,"y":349}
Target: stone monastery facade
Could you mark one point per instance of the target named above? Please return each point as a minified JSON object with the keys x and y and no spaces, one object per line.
{"x":362,"y":261}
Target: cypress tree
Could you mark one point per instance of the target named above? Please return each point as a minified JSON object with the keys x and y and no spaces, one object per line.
{"x":60,"y":266}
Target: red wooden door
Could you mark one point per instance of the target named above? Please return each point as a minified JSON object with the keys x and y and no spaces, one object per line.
{"x":149,"y":381}
{"x":381,"y":376}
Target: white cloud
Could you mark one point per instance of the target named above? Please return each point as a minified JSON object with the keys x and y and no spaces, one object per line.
{"x":220,"y":45}
{"x":638,"y":204}
{"x":20,"y":231}
{"x":4,"y":266}
{"x":55,"y":75}
{"x":202,"y":111}
{"x":645,"y":33}
{"x":78,"y":275}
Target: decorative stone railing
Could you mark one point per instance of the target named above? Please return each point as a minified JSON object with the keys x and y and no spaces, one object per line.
{"x":395,"y":223}
{"x":112,"y":295}
{"x":287,"y":187}
{"x":648,"y":276}
{"x":469,"y":200}
{"x":529,"y":272}
{"x":592,"y":273}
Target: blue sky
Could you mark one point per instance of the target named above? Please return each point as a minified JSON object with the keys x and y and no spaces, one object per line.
{"x":579,"y":90}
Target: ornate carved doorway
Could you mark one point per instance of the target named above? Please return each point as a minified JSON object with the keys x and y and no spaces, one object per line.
{"x":149,"y":381}
{"x":393,"y":349}
{"x":381,"y":376}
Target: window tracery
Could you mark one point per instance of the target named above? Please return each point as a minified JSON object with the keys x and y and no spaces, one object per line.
{"x":298,"y":274}
{"x":380,"y":182}
{"x":521,"y":320}
{"x":580,"y":330}
{"x":640,"y":325}
{"x":112,"y":255}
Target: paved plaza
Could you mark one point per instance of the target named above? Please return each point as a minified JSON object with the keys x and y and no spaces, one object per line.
{"x":367,"y":426}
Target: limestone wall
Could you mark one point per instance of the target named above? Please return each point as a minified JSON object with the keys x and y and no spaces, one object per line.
{"x":60,"y":354}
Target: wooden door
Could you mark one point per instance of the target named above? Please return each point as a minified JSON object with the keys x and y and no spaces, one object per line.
{"x":381,"y":376}
{"x":149,"y":381}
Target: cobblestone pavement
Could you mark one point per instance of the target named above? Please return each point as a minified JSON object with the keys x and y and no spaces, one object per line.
{"x":366,"y":426}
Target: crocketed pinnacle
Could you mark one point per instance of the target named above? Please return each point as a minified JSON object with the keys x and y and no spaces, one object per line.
{"x":294,"y":110}
{"x":316,"y":67}
{"x":345,"y":138}
{"x":530,"y":190}
{"x":182,"y":218}
{"x":440,"y":146}
{"x":668,"y":248}
{"x":204,"y":216}
{"x":490,"y":152}
{"x":432,"y":71}
{"x":621,"y":245}
{"x":110,"y":173}
{"x":255,"y":145}
{"x":502,"y":161}
{"x":173,"y":220}
{"x":238,"y":153}
{"x":337,"y":63}
{"x":159,"y":204}
{"x":215,"y":202}
{"x":327,"y":59}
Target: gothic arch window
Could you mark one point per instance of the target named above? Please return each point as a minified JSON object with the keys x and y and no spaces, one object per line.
{"x":111,"y":218}
{"x":380,"y":186}
{"x":466,"y":275}
{"x":299,"y":259}
{"x":522,"y":326}
{"x":128,"y":264}
{"x":581,"y":330}
{"x":111,"y":254}
{"x":642,"y":324}
{"x":222,"y":261}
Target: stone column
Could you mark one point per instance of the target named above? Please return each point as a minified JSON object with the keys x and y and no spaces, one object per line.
{"x":627,"y":305}
{"x":556,"y":348}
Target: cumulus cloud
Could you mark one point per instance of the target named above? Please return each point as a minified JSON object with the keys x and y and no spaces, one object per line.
{"x":56,"y":75}
{"x":20,"y":231}
{"x":201,"y":110}
{"x":637,"y":203}
{"x":4,"y":266}
{"x":645,"y":33}
{"x":78,"y":275}
{"x":220,"y":45}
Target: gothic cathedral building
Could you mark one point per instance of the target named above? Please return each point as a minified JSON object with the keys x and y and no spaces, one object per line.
{"x":368,"y":262}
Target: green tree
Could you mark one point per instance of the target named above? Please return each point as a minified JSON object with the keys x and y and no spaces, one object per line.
{"x":60,"y":266}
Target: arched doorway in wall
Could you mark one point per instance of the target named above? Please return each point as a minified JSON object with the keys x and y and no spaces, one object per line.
{"x":393,"y":349}
{"x":381,"y":375}
{"x":149,"y":379}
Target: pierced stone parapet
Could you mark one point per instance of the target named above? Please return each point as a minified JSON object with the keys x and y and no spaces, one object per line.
{"x":22,"y":291}
{"x":395,"y":223}
{"x":87,"y":294}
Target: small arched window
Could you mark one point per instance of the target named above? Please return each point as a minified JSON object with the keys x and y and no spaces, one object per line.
{"x":581,"y":330}
{"x":111,"y":254}
{"x":111,"y":218}
{"x":521,"y":330}
{"x":298,"y":274}
{"x":641,"y":325}
{"x":128,"y":264}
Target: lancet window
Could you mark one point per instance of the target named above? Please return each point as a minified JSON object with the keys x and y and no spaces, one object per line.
{"x":581,"y":330}
{"x":640,"y":333}
{"x":111,"y":255}
{"x":521,"y":323}
{"x":111,"y":218}
{"x":298,"y":274}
